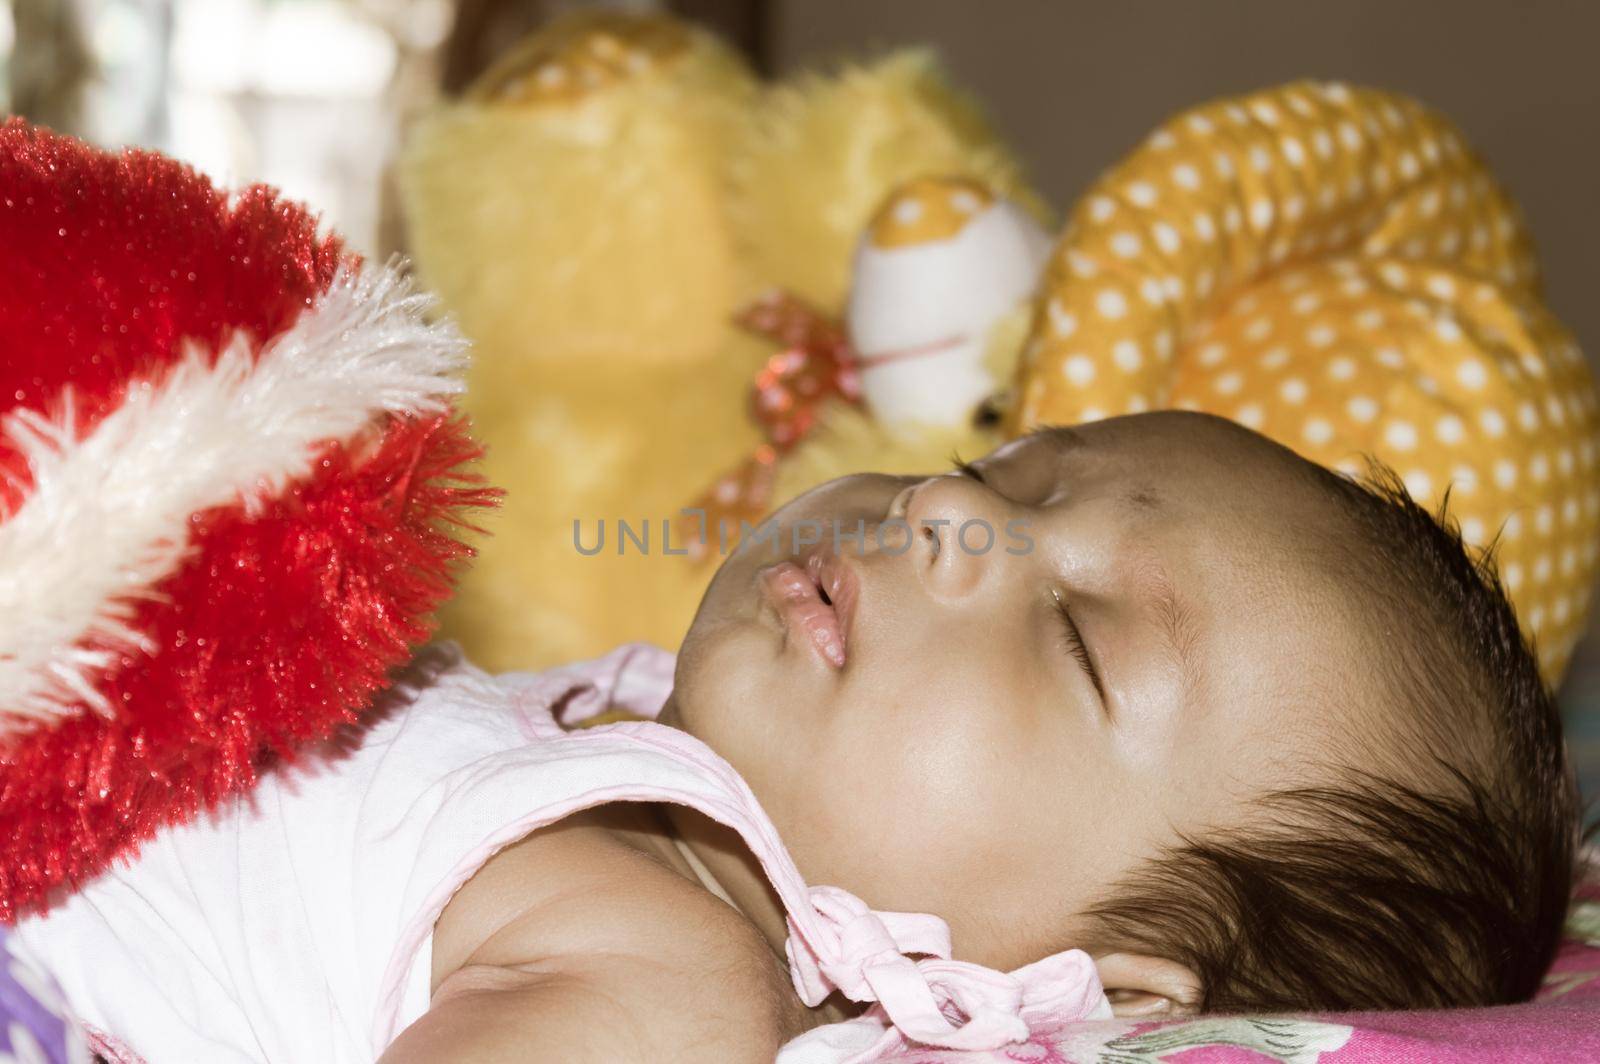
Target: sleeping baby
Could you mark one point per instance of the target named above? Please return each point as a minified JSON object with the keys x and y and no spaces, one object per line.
{"x":1199,"y":723}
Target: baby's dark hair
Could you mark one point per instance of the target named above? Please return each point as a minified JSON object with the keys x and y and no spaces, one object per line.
{"x":1442,"y":879}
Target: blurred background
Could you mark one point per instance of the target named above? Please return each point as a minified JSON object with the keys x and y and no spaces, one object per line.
{"x":311,"y":95}
{"x":314,"y":96}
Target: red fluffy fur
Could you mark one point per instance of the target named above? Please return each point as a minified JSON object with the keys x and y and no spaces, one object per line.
{"x":111,"y":260}
{"x":280,"y":627}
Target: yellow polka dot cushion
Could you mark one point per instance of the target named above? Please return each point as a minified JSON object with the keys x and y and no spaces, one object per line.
{"x":1334,"y":267}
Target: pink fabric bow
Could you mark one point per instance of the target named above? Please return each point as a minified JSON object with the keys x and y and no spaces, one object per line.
{"x":935,"y":1001}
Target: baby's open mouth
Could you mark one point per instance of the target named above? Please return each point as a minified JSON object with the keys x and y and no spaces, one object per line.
{"x":816,"y":601}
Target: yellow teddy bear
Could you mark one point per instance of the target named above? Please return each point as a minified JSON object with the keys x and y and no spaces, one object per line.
{"x":594,"y":213}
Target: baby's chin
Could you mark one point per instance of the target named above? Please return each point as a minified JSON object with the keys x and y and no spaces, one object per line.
{"x":669,"y":713}
{"x":725,"y":678}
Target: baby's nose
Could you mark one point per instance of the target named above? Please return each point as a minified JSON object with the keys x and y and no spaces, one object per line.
{"x":957,"y":528}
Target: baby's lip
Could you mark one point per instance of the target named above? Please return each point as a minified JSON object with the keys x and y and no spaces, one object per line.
{"x":837,"y":579}
{"x":797,"y":593}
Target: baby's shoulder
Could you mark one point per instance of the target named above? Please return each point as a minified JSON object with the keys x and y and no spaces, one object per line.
{"x":581,"y":940}
{"x":578,"y":888}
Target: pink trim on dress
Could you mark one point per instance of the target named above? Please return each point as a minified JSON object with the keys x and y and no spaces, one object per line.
{"x":899,"y":961}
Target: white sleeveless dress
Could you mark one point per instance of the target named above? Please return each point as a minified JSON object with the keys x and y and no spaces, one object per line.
{"x":295,"y":924}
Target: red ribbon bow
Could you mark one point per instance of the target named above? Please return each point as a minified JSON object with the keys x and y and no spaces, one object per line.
{"x":814,"y":364}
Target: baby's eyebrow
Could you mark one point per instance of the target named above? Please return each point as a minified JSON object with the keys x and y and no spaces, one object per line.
{"x":1143,"y":498}
{"x":1061,"y":437}
{"x":1177,"y":624}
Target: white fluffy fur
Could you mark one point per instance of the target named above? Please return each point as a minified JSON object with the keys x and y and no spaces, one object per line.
{"x":107,"y":516}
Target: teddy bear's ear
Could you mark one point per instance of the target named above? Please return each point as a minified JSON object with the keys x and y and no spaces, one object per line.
{"x":228,"y":476}
{"x":941,"y":263}
{"x":1333,"y":267}
{"x":830,"y":148}
{"x":574,"y":205}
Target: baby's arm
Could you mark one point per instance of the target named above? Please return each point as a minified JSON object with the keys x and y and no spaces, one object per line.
{"x":592,"y":951}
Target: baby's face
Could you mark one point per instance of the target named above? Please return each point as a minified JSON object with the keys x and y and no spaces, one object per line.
{"x":960,"y":752}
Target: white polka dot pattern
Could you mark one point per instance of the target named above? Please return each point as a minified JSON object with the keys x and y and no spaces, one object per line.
{"x":1332,"y":266}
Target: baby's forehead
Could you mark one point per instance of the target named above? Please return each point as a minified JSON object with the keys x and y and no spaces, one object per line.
{"x":1172,"y":439}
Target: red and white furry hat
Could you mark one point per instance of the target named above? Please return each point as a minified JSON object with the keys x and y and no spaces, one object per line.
{"x":230,"y":486}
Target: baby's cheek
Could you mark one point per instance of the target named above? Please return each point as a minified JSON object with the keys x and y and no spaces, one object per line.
{"x":865,"y":818}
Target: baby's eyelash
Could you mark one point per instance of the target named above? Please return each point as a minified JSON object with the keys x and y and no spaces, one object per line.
{"x":967,"y":469}
{"x":1075,"y":644}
